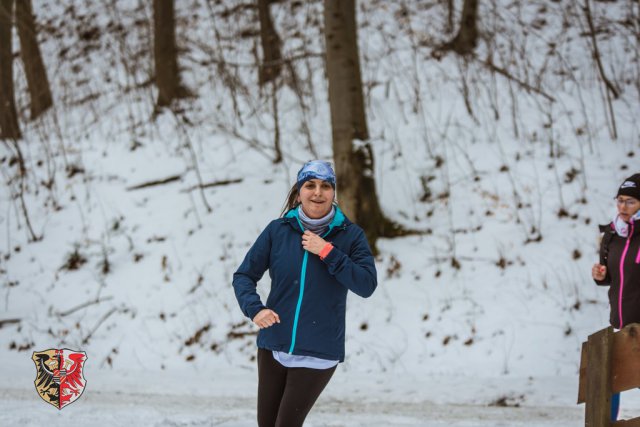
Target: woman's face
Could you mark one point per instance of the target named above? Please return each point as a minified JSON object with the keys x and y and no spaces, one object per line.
{"x":627,"y":207}
{"x":316,"y":197}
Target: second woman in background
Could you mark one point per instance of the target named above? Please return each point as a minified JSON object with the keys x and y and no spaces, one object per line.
{"x":619,"y":266}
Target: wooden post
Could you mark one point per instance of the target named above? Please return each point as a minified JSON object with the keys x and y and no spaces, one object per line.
{"x":609,"y":363}
{"x":598,"y":384}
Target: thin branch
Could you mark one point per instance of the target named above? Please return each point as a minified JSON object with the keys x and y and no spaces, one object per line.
{"x":285,"y":60}
{"x":252,"y":142}
{"x":162,"y":181}
{"x":81,"y":306}
{"x":22,"y":173}
{"x":526,"y":86}
{"x":611,"y":89}
{"x":85,"y":340}
{"x":180,"y":119}
{"x":596,"y":52}
{"x":295,"y":84}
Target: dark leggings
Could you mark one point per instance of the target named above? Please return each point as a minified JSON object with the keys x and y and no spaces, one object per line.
{"x":286,"y":395}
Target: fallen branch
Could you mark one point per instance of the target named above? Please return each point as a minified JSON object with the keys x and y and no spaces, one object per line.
{"x":9,"y":322}
{"x":155,"y":183}
{"x":81,"y":306}
{"x":223,"y":182}
{"x":213,"y":184}
{"x":241,"y":334}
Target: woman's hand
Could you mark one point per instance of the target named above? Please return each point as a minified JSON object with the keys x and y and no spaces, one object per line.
{"x":598,"y":271}
{"x":312,"y":242}
{"x":266,"y":318}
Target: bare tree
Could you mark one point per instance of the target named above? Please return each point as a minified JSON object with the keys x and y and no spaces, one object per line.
{"x":37,"y":81}
{"x":9,"y":128}
{"x":271,"y":66}
{"x":354,"y":162}
{"x":271,"y":45}
{"x":165,"y":52}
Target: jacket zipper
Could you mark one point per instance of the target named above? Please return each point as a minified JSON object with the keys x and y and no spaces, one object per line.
{"x":303,"y":276}
{"x":624,"y":255}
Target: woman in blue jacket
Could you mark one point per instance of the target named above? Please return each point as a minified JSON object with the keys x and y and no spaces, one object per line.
{"x":314,"y":255}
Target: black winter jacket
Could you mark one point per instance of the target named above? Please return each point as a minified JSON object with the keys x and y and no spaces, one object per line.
{"x":622,"y":258}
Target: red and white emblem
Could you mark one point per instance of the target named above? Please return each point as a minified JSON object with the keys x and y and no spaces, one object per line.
{"x":59,"y":375}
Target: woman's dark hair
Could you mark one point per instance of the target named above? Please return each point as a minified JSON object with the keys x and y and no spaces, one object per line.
{"x":290,"y":201}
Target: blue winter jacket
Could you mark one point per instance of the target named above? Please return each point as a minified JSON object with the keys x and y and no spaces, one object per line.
{"x":309,"y":294}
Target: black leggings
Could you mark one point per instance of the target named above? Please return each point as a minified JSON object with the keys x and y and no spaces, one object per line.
{"x":286,"y":395}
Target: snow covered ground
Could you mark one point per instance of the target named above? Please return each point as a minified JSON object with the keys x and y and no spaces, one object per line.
{"x":226,"y":397}
{"x":102,"y":409}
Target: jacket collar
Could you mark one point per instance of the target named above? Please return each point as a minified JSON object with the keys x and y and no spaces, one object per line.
{"x":340,"y":221}
{"x":610,"y":227}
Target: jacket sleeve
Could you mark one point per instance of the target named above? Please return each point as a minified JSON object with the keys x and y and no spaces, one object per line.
{"x":603,"y":258}
{"x":245,"y":279}
{"x":356,"y":271}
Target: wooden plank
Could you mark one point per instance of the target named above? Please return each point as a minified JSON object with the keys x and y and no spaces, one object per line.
{"x":635,"y":422}
{"x":598,"y":397}
{"x":582,"y":381}
{"x":625,"y":367}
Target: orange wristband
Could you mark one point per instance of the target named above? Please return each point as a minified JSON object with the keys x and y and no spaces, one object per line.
{"x":325,"y":251}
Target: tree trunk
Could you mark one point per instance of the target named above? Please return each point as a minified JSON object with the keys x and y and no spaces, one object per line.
{"x":37,"y":81}
{"x":9,"y":128}
{"x":354,"y":163}
{"x":467,"y":37}
{"x":165,"y":52}
{"x":271,"y":53}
